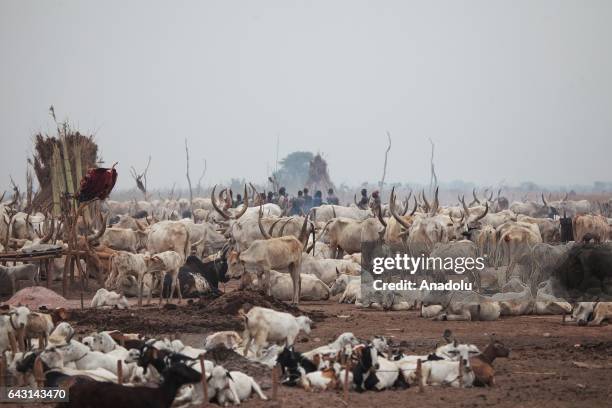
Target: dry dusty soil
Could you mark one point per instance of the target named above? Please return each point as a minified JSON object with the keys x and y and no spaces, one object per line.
{"x":541,"y":370}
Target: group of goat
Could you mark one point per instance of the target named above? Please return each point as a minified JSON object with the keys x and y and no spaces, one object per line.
{"x":111,"y":368}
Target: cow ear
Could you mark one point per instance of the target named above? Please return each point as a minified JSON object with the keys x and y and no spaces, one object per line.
{"x":227,"y":373}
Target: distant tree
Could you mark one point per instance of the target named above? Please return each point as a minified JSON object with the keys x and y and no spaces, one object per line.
{"x":293,"y":172}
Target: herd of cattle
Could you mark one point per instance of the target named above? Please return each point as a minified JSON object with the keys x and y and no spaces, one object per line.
{"x":143,"y":248}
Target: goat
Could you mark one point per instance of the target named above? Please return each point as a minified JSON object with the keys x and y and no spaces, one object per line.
{"x":266,"y":325}
{"x":446,"y":372}
{"x":104,"y":297}
{"x":230,"y":339}
{"x":39,"y":326}
{"x":482,"y":364}
{"x":294,"y":364}
{"x":12,"y":327}
{"x":104,"y":395}
{"x":326,"y":379}
{"x":334,"y":347}
{"x":28,"y":272}
{"x":232,"y":386}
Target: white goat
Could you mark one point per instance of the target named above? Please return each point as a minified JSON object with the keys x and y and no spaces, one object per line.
{"x":106,"y":298}
{"x":232,"y":386}
{"x":27,"y":272}
{"x":264,"y":325}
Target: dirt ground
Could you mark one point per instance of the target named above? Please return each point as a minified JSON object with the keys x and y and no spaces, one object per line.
{"x":541,"y":370}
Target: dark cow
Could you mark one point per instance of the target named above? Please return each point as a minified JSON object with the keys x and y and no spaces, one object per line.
{"x":212,"y":270}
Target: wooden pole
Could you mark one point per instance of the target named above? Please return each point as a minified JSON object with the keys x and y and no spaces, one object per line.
{"x":347,"y":368}
{"x":419,"y":375}
{"x":204,"y":383}
{"x":119,"y":372}
{"x":82,"y":307}
{"x":3,"y":370}
{"x":461,"y":373}
{"x":275,"y":382}
{"x":563,"y":318}
{"x":39,"y":374}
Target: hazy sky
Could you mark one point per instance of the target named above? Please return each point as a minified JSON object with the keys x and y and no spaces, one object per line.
{"x":514,"y":90}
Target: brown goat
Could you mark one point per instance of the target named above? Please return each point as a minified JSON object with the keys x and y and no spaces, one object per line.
{"x":482,"y":364}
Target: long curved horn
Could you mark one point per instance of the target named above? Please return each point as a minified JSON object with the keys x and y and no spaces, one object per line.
{"x":466,"y":210}
{"x":215,"y":206}
{"x":544,"y":200}
{"x":565,"y":198}
{"x":380,"y":217}
{"x":355,"y":199}
{"x":304,"y":232}
{"x":245,"y":204}
{"x":261,"y":228}
{"x":198,"y":242}
{"x":97,"y":235}
{"x":407,"y":203}
{"x":484,"y":213}
{"x":415,"y":206}
{"x":436,"y":203}
{"x":50,"y":231}
{"x":491,"y":196}
{"x":474,"y":195}
{"x":282,"y":230}
{"x":271,"y":229}
{"x":427,"y":206}
{"x":334,"y":211}
{"x":394,"y":214}
{"x":2,"y":198}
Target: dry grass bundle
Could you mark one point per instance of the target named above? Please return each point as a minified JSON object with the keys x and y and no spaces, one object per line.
{"x":44,"y":146}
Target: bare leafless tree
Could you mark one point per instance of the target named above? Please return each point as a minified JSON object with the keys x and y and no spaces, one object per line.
{"x":433,"y":181}
{"x":141,"y":179}
{"x":199,"y":187}
{"x":188,"y":178}
{"x":382,"y":180}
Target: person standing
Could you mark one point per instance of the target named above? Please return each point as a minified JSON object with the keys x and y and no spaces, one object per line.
{"x":307,"y":200}
{"x":331,"y":197}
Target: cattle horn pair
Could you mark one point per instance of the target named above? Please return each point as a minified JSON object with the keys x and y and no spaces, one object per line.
{"x":224,"y":214}
{"x":48,"y":230}
{"x":402,"y":222}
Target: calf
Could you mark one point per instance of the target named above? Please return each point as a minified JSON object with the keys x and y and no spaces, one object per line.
{"x":164,"y":262}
